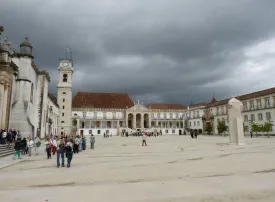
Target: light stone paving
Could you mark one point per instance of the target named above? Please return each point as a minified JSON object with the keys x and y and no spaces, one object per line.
{"x":170,"y":169}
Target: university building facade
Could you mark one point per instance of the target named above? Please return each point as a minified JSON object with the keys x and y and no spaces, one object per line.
{"x":114,"y":113}
{"x":25,"y":103}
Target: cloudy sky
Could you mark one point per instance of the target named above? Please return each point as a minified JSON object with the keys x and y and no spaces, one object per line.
{"x":161,"y":51}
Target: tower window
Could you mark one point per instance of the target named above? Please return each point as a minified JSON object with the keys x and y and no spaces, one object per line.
{"x":63,"y":107}
{"x":62,"y":114}
{"x":65,"y":77}
{"x":63,"y":99}
{"x":62,"y":122}
{"x":64,"y":93}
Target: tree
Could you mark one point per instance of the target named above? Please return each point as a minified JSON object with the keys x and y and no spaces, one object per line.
{"x":255,"y":127}
{"x":209,"y":128}
{"x":267,"y":127}
{"x":222,"y":127}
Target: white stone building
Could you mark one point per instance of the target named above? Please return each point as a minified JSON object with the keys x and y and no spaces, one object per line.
{"x":114,"y":113}
{"x":24,"y":100}
{"x":193,"y":117}
{"x":258,"y":107}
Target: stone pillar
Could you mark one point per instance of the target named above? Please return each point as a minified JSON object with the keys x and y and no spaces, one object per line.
{"x":149,"y":124}
{"x":134,"y":121}
{"x":126,"y":120}
{"x":4,"y":112}
{"x":142,"y":121}
{"x":1,"y":103}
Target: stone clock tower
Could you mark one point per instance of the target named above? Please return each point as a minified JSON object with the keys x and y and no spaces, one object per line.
{"x":64,"y":95}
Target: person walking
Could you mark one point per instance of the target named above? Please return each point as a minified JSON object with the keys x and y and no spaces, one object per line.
{"x":4,"y":136}
{"x":54,"y":147}
{"x":69,"y":152}
{"x":37,"y":144}
{"x":17,"y":147}
{"x":23,"y":146}
{"x":9,"y":139}
{"x":144,"y":140}
{"x":251,"y":134}
{"x":191,"y":133}
{"x":196,"y":134}
{"x":48,"y":144}
{"x":30,"y":146}
{"x":60,"y":152}
{"x":84,"y":141}
{"x":92,"y":141}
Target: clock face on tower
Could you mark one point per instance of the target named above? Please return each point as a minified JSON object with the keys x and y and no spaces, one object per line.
{"x":65,"y":64}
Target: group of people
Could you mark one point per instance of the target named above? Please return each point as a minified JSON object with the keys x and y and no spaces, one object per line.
{"x":66,"y":147}
{"x":25,"y":146}
{"x":194,"y":133}
{"x":8,"y":137}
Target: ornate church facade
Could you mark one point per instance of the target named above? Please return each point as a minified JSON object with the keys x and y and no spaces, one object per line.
{"x":25,"y":103}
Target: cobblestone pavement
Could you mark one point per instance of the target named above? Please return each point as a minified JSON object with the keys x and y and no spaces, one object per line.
{"x":171,"y":168}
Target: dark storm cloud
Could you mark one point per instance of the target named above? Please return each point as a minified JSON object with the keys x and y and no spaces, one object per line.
{"x":157,"y":51}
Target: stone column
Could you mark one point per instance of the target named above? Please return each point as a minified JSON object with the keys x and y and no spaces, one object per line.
{"x":149,"y":124}
{"x":134,"y":121}
{"x":142,"y":121}
{"x":4,"y":112}
{"x":126,"y":119}
{"x":1,"y":103}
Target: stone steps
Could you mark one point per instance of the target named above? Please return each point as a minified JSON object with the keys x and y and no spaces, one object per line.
{"x":4,"y":151}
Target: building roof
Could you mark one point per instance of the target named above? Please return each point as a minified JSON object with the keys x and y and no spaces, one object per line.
{"x":244,"y":97}
{"x":167,"y":106}
{"x":102,"y":100}
{"x":197,"y":105}
{"x":53,"y":99}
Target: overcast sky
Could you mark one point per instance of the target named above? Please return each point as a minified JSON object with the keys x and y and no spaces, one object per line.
{"x":157,"y":51}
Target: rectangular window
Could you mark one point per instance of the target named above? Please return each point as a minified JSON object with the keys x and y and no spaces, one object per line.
{"x":198,"y":123}
{"x":63,"y":107}
{"x":217,"y":111}
{"x":63,"y":99}
{"x":173,"y":131}
{"x":245,"y":106}
{"x":98,"y":132}
{"x":267,"y":103}
{"x":194,"y":123}
{"x":62,"y":114}
{"x":245,"y":118}
{"x":252,"y":116}
{"x":64,"y":93}
{"x":251,"y":103}
{"x":166,"y":131}
{"x":222,"y":110}
{"x":268,"y":116}
{"x":259,"y":104}
{"x":190,"y":123}
{"x":260,"y":117}
{"x":62,"y":121}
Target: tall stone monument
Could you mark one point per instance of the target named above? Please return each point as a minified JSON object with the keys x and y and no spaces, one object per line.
{"x":235,"y":121}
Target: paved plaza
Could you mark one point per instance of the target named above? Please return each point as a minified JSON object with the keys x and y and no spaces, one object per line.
{"x":170,"y":169}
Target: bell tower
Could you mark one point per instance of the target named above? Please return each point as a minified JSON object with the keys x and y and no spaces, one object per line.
{"x":64,"y":93}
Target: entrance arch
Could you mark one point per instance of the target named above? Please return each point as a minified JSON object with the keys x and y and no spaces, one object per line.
{"x":146,"y":120}
{"x":138,"y":120}
{"x":130,"y":120}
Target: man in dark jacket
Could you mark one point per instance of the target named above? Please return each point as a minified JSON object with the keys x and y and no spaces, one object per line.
{"x":9,"y":138}
{"x":17,"y":148}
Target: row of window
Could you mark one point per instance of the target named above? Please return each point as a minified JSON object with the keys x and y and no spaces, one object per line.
{"x":259,"y":116}
{"x":195,"y":123}
{"x":258,"y":104}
